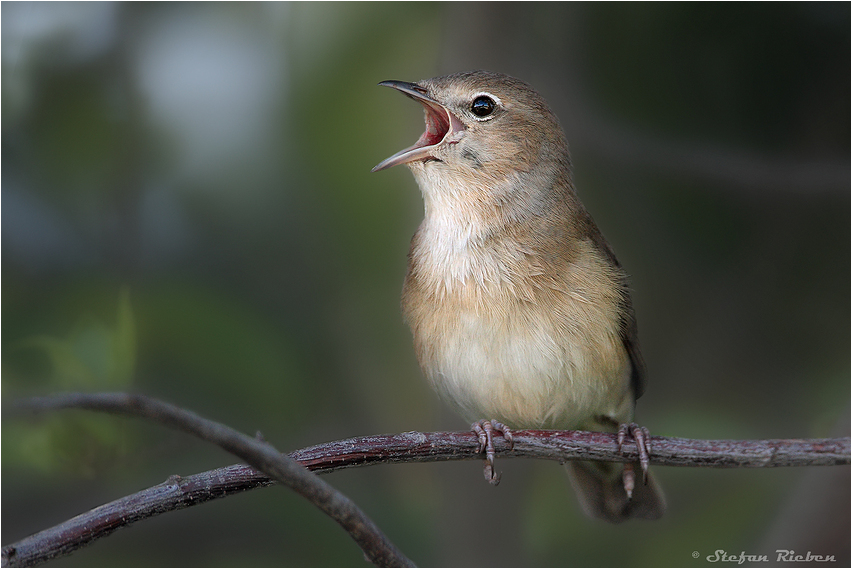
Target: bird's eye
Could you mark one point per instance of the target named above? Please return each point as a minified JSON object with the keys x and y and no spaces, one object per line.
{"x":482,"y":106}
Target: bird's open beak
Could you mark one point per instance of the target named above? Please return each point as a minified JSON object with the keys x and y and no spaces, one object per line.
{"x":441,"y":125}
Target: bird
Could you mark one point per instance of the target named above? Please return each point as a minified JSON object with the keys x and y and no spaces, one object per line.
{"x":520,"y":312}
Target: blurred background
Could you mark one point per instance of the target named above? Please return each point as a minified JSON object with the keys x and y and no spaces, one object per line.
{"x":188,"y":212}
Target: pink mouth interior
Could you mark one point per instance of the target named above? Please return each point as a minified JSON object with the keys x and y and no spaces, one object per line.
{"x":437,"y":127}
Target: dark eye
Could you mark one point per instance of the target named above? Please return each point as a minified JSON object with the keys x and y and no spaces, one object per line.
{"x":482,"y":106}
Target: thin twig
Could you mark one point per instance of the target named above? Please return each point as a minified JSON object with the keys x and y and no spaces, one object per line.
{"x":181,"y":492}
{"x":259,"y":454}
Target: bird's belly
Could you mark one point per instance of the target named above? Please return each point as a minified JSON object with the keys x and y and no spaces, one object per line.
{"x":527,"y":370}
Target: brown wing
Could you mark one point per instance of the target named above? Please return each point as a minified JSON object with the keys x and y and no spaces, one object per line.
{"x":629,"y":332}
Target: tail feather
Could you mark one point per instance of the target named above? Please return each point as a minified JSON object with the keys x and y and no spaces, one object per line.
{"x":601,"y":493}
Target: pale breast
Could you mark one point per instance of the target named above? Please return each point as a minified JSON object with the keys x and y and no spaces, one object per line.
{"x":498,"y":338}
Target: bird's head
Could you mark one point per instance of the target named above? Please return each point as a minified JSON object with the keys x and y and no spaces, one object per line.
{"x":480,"y":126}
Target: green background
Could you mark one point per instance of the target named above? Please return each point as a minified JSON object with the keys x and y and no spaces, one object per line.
{"x":188,"y":212}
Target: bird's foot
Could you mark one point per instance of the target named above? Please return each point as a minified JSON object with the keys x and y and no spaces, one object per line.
{"x":642,"y":437}
{"x":485,"y":431}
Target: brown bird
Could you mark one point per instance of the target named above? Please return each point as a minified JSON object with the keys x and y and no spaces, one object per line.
{"x":520,"y":312}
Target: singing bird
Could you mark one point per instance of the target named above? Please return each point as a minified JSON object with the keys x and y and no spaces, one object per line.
{"x":520,"y":312}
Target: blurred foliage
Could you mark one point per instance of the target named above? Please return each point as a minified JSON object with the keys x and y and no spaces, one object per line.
{"x":93,"y":357}
{"x":188,"y":212}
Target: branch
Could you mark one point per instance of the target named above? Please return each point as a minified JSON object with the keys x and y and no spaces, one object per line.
{"x":259,"y":454}
{"x":575,"y":445}
{"x":178,"y":492}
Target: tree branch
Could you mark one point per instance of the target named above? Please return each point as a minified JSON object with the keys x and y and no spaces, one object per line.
{"x":257,"y":453}
{"x":575,"y":445}
{"x":181,"y":492}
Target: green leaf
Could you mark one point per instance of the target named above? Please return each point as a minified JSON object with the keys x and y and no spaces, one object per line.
{"x":123,"y":342}
{"x":92,"y":355}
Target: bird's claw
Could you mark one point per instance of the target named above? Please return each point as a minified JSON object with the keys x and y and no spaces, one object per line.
{"x":642,"y":437}
{"x":485,"y":430}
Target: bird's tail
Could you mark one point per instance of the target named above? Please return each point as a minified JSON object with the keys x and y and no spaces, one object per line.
{"x":600,"y":490}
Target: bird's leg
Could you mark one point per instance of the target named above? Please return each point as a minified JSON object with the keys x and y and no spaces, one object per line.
{"x":642,"y":437}
{"x":485,"y":431}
